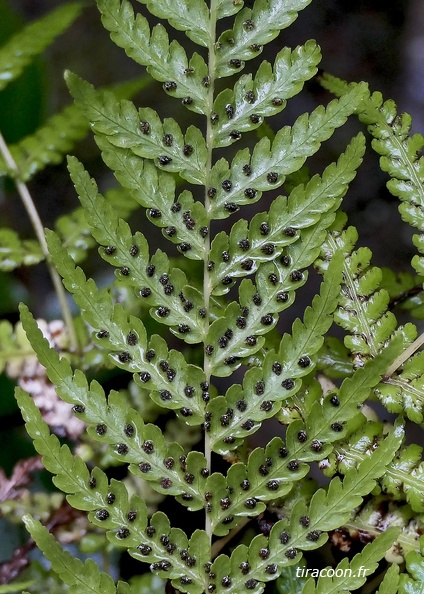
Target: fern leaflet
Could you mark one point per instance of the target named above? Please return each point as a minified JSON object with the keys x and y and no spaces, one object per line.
{"x":110,"y":507}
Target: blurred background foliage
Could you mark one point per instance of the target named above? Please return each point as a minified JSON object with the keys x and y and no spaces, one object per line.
{"x":373,"y":40}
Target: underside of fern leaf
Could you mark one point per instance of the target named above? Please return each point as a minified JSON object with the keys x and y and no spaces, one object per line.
{"x":198,"y":329}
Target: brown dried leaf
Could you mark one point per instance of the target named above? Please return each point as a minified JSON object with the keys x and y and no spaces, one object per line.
{"x":12,"y":488}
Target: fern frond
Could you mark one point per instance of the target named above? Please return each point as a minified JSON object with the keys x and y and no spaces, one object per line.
{"x":261,"y":395}
{"x":413,"y":583}
{"x":404,"y":478}
{"x":225,"y":9}
{"x":115,"y":423}
{"x":306,"y":527}
{"x":364,"y":313}
{"x":269,"y":232}
{"x":57,"y":136}
{"x":124,"y":518}
{"x":16,"y":252}
{"x":172,"y":380}
{"x":191,"y":16}
{"x":326,"y":505}
{"x":269,"y":163}
{"x":400,"y":156}
{"x":402,"y":392}
{"x":406,"y":473}
{"x":363,"y":307}
{"x":351,"y":575}
{"x":260,"y":304}
{"x":142,"y":132}
{"x":84,"y":578}
{"x":252,"y":29}
{"x":323,"y":422}
{"x":20,"y":50}
{"x":243,"y":108}
{"x":270,"y":473}
{"x":379,"y":513}
{"x":74,"y":230}
{"x":179,"y":304}
{"x":390,"y":582}
{"x":184,"y":221}
{"x":166,"y":62}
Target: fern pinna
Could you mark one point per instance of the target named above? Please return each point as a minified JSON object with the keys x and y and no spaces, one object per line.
{"x":220,"y":293}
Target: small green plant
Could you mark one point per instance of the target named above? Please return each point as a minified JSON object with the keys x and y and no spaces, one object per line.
{"x":196,"y":327}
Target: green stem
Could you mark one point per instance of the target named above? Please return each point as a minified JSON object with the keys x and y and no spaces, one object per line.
{"x":39,"y":231}
{"x":209,"y":145}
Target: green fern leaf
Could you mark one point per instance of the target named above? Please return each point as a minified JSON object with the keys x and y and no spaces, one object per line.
{"x":400,"y":156}
{"x":84,"y":578}
{"x":390,"y":583}
{"x":184,"y":221}
{"x":261,"y":395}
{"x":352,"y":575}
{"x":192,"y":17}
{"x":142,"y":131}
{"x":15,"y":252}
{"x":366,"y":473}
{"x":402,"y":391}
{"x":404,"y":478}
{"x":305,"y":529}
{"x":187,"y":567}
{"x":251,"y":174}
{"x":19,"y":51}
{"x":110,"y":508}
{"x":405,"y":475}
{"x":413,"y":584}
{"x":363,"y":311}
{"x":178,"y":304}
{"x":75,"y":232}
{"x":363,"y":308}
{"x":323,"y":422}
{"x":275,"y":284}
{"x":253,"y":28}
{"x":57,"y":136}
{"x":166,"y":62}
{"x":113,"y":422}
{"x":268,"y":233}
{"x":270,"y":473}
{"x":243,"y":108}
{"x":176,"y":383}
{"x":226,"y":9}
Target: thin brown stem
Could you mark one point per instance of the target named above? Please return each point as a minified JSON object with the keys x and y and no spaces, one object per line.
{"x":39,"y":231}
{"x":405,"y":355}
